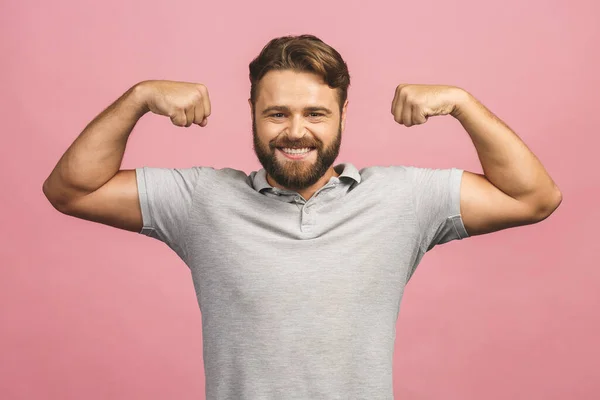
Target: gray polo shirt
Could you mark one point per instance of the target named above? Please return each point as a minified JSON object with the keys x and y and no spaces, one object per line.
{"x":299,"y":299}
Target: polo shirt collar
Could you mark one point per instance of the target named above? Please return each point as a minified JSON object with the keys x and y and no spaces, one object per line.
{"x":346,"y":170}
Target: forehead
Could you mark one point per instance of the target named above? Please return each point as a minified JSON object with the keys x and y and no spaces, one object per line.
{"x":293,"y":88}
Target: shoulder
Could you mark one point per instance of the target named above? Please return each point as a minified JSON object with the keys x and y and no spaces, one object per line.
{"x":394,"y":173}
{"x":219,"y":176}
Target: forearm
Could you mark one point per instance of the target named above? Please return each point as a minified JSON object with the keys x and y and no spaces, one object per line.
{"x":96,"y":155}
{"x":507,"y":162}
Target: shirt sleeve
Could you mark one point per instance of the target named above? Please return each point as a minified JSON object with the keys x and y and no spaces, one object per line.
{"x":166,"y":197}
{"x":437,"y":205}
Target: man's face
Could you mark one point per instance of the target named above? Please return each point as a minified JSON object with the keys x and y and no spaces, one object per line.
{"x":295,"y":111}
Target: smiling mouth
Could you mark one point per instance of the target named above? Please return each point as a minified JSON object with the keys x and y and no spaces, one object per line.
{"x":296,"y":150}
{"x":295,"y":153}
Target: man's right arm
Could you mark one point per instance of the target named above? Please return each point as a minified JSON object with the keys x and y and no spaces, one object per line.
{"x":87,"y":181}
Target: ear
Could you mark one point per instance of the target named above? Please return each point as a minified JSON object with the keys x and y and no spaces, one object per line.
{"x":251,"y":108}
{"x":343,"y":116}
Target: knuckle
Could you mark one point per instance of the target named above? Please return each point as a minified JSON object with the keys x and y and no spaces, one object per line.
{"x":196,"y":98}
{"x":178,"y":119}
{"x":200,"y":88}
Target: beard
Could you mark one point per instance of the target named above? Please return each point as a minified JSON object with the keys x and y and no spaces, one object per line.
{"x":296,"y":175}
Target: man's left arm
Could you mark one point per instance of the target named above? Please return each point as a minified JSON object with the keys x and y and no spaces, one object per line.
{"x":515,"y":188}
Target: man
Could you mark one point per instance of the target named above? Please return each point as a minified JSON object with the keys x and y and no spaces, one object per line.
{"x":300,"y":267}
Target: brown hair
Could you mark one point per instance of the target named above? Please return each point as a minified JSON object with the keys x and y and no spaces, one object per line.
{"x":306,"y":53}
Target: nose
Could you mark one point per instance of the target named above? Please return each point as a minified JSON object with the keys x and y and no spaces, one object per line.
{"x":296,"y":129}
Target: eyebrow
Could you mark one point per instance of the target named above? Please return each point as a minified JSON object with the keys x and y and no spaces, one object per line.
{"x":287,"y":109}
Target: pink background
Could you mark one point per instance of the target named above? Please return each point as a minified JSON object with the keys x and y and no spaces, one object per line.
{"x":91,"y":312}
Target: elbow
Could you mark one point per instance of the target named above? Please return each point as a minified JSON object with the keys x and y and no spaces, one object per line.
{"x":51,"y":195}
{"x":549,"y":204}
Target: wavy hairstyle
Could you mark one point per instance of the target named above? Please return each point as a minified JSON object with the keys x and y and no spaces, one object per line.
{"x":303,"y":53}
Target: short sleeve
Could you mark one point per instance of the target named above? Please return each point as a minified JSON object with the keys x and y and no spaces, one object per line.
{"x":436,"y":193}
{"x":166,"y":197}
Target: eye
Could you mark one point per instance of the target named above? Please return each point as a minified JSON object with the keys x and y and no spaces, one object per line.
{"x":315,"y":114}
{"x":277,"y":115}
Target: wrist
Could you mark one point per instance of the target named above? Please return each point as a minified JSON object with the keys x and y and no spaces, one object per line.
{"x":138,"y":96}
{"x":461,"y":100}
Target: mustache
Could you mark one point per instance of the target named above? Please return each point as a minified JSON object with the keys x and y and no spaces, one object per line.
{"x":297,"y":145}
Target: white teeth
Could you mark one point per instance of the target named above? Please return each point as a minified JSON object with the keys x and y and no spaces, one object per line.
{"x":296,"y":151}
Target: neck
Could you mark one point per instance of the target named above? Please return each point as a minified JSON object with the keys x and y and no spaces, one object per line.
{"x":308,"y":192}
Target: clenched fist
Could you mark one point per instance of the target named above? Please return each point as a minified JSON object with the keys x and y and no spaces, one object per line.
{"x":414,"y":104}
{"x":184,"y":102}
